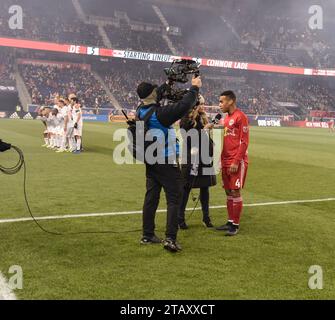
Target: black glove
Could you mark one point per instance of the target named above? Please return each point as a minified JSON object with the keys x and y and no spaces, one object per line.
{"x":76,"y":125}
{"x":4,"y":146}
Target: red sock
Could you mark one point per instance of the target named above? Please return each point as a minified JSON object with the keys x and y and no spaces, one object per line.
{"x":230,"y":208}
{"x":237,"y":209}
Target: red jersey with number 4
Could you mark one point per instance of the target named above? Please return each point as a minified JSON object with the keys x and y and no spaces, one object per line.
{"x":236,"y":139}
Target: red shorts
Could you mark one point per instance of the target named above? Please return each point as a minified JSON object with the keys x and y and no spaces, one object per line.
{"x":234,"y":181}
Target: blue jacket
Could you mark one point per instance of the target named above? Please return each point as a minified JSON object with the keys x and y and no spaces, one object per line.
{"x":162,"y":133}
{"x":162,"y":120}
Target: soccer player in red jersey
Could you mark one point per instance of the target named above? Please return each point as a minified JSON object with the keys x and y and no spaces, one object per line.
{"x":234,"y":159}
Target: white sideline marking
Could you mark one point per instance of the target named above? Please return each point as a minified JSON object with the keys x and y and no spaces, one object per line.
{"x":5,"y":291}
{"x":85,"y":215}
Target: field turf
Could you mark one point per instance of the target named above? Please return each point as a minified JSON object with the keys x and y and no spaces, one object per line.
{"x":269,"y":259}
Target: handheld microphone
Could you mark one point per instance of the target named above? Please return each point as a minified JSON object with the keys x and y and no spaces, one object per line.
{"x":217,"y":118}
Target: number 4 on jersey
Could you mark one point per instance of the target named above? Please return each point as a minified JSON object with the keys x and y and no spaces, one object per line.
{"x":238,"y":183}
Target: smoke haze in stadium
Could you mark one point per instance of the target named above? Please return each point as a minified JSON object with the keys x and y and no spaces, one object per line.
{"x":254,"y":31}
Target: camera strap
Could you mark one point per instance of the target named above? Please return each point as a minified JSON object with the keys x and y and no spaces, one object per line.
{"x":148,"y":114}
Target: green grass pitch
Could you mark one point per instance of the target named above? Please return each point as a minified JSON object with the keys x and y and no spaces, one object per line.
{"x":269,"y":259}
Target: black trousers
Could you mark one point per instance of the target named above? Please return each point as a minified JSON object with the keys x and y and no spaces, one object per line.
{"x":168,"y":177}
{"x":204,"y":200}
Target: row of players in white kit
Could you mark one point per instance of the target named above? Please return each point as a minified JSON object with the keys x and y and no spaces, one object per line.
{"x":63,"y":125}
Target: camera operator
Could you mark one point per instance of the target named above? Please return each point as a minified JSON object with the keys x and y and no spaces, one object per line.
{"x":193,"y":172}
{"x":164,"y":175}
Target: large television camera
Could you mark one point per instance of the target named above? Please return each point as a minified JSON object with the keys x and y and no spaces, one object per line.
{"x":178,"y":72}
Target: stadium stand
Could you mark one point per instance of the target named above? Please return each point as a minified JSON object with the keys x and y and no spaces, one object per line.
{"x":44,"y":82}
{"x":136,"y":10}
{"x":6,"y":66}
{"x":230,"y":32}
{"x":257,"y":93}
{"x":125,"y":38}
{"x":49,"y":20}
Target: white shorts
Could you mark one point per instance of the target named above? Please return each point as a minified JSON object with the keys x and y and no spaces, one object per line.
{"x":69,"y":132}
{"x":60,"y":130}
{"x":51,"y":130}
{"x":78,"y":131}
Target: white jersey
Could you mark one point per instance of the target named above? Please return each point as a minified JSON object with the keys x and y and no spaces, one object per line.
{"x":77,"y":116}
{"x":61,"y":117}
{"x":70,"y":122}
{"x":61,"y":121}
{"x":51,"y":123}
{"x":64,"y":111}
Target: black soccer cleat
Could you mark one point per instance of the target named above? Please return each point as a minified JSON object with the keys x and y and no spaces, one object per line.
{"x":171,"y":245}
{"x":151,"y":240}
{"x":233,"y":231}
{"x":183,"y":226}
{"x":207,"y":223}
{"x":225,"y":227}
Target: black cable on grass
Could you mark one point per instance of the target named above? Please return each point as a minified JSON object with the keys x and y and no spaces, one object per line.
{"x":15,"y":169}
{"x":194,"y":198}
{"x":195,"y":206}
